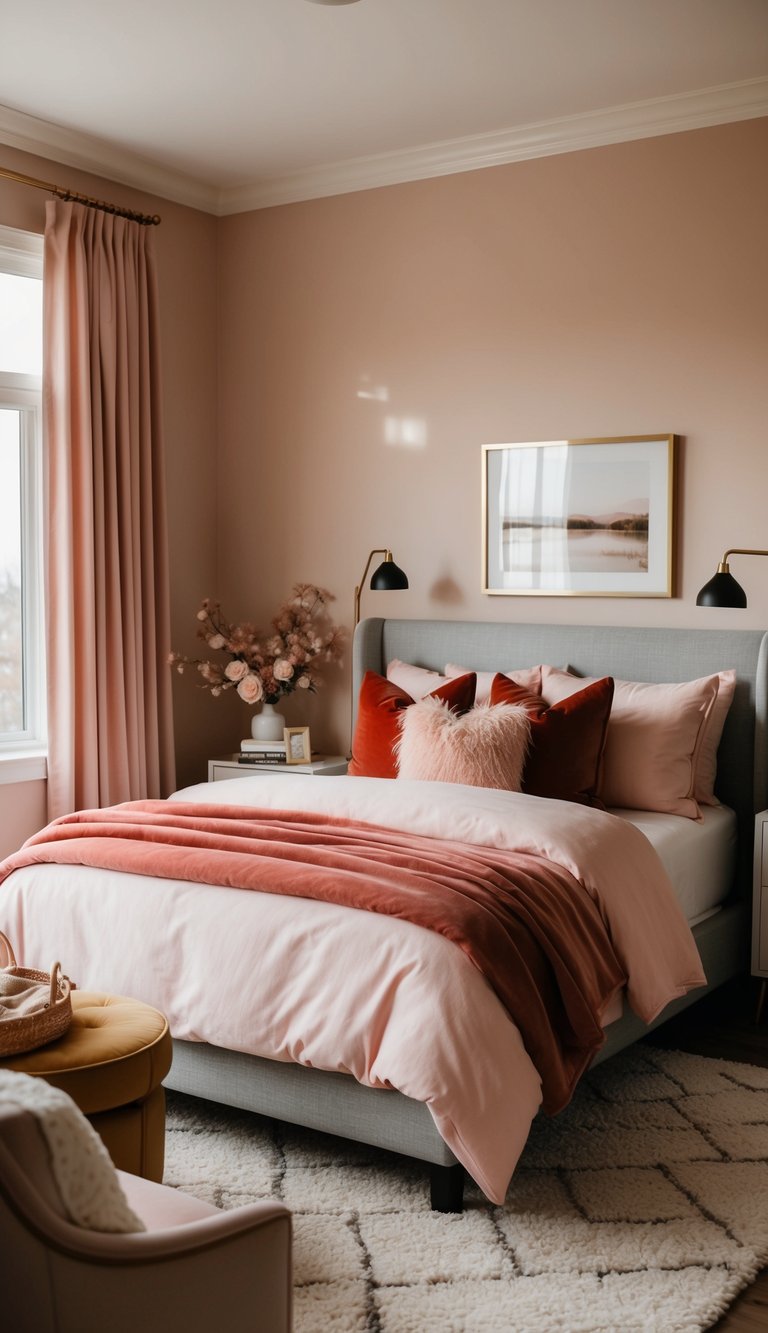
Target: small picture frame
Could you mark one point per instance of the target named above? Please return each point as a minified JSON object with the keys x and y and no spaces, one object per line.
{"x":297,"y":745}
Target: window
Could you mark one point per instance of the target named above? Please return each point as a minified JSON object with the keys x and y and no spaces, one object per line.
{"x":22,"y":673}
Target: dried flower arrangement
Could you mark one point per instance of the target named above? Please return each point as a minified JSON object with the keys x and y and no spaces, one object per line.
{"x":265,"y":666}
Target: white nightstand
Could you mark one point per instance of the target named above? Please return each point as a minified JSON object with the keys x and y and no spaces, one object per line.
{"x":229,"y":766}
{"x":760,"y":907}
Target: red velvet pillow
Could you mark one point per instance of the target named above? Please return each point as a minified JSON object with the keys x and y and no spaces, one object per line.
{"x":379,"y":710}
{"x":567,"y":739}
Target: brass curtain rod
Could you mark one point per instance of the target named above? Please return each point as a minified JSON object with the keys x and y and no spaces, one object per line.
{"x":144,"y":219}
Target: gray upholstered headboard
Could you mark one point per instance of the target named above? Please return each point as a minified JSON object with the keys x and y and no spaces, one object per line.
{"x":591,"y":650}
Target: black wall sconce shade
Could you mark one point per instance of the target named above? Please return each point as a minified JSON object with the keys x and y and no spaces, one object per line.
{"x":388,"y":577}
{"x":722,"y":589}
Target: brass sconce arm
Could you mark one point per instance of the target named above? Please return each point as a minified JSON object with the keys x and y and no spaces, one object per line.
{"x":379,"y":550}
{"x":722,"y":568}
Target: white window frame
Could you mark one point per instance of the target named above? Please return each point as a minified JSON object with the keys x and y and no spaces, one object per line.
{"x":22,"y":754}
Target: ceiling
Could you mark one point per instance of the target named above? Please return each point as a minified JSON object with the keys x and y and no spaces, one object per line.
{"x":243,"y":103}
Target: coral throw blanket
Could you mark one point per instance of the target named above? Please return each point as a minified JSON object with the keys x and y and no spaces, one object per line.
{"x":526,"y":923}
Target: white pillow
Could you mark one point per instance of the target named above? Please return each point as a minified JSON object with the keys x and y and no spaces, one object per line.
{"x":527,"y":677}
{"x":416,"y":681}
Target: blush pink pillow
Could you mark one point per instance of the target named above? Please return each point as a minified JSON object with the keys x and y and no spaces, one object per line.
{"x":416,"y":681}
{"x":529,"y":678}
{"x":706,"y":764}
{"x":485,"y":747}
{"x":655,"y":733}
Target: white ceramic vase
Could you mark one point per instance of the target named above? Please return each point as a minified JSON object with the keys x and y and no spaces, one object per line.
{"x":267,"y":725}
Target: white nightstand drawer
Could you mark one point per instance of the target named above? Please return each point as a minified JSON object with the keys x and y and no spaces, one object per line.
{"x":220,"y":770}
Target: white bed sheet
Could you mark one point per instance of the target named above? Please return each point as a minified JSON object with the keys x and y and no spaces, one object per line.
{"x":698,"y":856}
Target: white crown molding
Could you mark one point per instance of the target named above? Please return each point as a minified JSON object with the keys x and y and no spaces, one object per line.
{"x":593,"y":129}
{"x":73,"y":149}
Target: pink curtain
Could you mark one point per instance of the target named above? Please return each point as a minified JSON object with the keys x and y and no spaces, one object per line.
{"x":110,"y":733}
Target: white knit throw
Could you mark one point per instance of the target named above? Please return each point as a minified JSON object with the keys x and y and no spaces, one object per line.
{"x":82,"y":1167}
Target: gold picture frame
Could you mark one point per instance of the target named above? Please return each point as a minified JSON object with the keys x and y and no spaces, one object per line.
{"x":580,"y":518}
{"x":298,"y":749}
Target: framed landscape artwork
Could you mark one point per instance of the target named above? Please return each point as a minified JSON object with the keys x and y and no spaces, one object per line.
{"x":589,"y":518}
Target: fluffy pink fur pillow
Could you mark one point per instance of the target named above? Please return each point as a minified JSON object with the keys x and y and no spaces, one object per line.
{"x":485,"y":747}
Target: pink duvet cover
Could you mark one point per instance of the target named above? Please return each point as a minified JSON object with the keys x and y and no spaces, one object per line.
{"x":324,"y":985}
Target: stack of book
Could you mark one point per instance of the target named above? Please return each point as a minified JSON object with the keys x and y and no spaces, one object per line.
{"x":262,"y":752}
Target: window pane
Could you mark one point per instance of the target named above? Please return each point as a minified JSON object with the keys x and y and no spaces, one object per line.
{"x":21,"y":319}
{"x":11,"y":625}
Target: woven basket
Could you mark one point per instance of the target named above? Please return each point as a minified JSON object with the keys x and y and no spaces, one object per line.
{"x":52,"y":1012}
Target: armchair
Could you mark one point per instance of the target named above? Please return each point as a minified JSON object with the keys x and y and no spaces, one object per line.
{"x":194,"y":1267}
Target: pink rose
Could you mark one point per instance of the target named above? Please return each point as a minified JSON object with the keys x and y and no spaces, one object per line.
{"x":303,"y":682}
{"x":282,"y":669}
{"x":216,"y":640}
{"x":235,"y":670}
{"x":250,"y":689}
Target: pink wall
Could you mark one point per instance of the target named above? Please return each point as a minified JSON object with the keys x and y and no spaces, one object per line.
{"x":22,"y":812}
{"x":615,"y":291}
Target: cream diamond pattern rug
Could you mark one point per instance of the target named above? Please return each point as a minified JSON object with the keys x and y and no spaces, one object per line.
{"x":643,"y":1206}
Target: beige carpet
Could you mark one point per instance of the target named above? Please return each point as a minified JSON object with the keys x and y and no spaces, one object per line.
{"x":643,"y":1206}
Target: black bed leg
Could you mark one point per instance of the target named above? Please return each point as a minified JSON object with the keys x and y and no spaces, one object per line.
{"x":446,"y":1188}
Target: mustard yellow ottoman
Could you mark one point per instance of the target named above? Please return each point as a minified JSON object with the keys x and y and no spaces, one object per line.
{"x":112,"y":1061}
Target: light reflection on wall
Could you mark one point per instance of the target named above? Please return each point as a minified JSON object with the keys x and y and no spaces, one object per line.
{"x":408,"y":432}
{"x":377,"y":393}
{"x":405,"y":432}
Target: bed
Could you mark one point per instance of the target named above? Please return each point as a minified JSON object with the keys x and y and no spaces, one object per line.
{"x":290,"y":1087}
